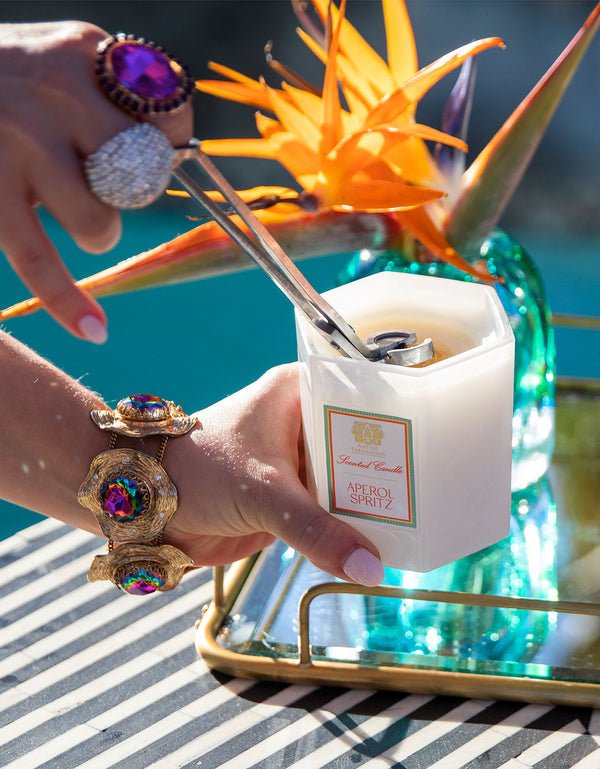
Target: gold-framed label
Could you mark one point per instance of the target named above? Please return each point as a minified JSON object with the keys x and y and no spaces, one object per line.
{"x":370,"y":469}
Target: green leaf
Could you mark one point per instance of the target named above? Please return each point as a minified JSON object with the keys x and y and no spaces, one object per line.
{"x":492,"y":178}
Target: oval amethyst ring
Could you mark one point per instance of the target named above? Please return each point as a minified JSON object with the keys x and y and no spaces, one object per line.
{"x":141,"y":77}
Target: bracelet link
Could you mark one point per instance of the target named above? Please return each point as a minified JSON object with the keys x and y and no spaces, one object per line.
{"x":133,"y":499}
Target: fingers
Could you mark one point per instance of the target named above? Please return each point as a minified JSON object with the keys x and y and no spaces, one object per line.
{"x":39,"y":266}
{"x":61,"y":187}
{"x":58,"y":179}
{"x":217,"y":551}
{"x":325,"y":540}
{"x":178,"y":125}
{"x":60,"y":118}
{"x":103,"y":119}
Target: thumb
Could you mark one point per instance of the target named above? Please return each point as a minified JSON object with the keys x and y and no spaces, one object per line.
{"x":329,"y":543}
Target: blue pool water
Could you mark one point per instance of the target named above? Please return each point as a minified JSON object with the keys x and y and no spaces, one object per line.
{"x":197,"y":342}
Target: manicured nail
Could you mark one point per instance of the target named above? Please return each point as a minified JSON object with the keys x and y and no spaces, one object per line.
{"x":93,"y":329}
{"x":363,"y":567}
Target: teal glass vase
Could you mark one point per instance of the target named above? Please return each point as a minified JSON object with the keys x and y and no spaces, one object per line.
{"x":523,"y":565}
{"x":523,"y":297}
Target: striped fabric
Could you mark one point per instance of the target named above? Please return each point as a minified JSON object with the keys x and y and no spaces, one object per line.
{"x":93,"y":678}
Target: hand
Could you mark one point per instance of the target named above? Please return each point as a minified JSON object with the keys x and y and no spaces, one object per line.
{"x":239,"y":485}
{"x":54,"y":116}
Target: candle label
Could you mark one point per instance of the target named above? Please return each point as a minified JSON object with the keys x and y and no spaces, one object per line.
{"x":370,"y":466}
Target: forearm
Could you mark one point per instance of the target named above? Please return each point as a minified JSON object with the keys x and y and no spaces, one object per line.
{"x":48,"y":438}
{"x":236,"y":472}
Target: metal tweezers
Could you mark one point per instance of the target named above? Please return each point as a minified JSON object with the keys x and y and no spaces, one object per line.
{"x":268,"y":254}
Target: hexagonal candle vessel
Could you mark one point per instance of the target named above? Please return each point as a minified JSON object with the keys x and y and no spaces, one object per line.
{"x":418,"y":459}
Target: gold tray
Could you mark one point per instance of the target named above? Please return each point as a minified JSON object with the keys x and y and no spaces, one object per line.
{"x":259,"y":624}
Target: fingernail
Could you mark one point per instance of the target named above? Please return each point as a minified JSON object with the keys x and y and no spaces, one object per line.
{"x":363,"y":567}
{"x":93,"y":329}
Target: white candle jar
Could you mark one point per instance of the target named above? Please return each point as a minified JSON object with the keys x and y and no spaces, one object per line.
{"x":418,"y":459}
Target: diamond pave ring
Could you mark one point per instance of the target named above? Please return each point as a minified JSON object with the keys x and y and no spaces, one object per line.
{"x":133,"y":169}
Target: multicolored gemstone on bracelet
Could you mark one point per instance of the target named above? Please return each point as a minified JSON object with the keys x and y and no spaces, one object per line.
{"x":122,"y":499}
{"x":144,"y":407}
{"x":141,"y":579}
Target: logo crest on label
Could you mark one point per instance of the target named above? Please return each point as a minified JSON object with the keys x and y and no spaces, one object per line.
{"x":369,"y":434}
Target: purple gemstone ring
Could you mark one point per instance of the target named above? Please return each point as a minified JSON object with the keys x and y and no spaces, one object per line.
{"x":141,"y":77}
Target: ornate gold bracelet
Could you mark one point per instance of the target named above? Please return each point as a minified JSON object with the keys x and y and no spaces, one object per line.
{"x":133,"y":498}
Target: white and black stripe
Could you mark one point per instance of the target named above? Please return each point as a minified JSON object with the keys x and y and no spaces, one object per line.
{"x":91,"y":678}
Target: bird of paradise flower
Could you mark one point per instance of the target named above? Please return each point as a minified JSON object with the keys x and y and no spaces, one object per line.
{"x":370,"y":156}
{"x":367,"y":176}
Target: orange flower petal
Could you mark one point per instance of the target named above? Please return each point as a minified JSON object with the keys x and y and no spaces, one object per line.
{"x":254,"y":193}
{"x":299,"y":159}
{"x":312,"y":106}
{"x":281,"y":146}
{"x":355,"y":152}
{"x":414,"y":162}
{"x":423,"y":228}
{"x":359,"y":150}
{"x":401,"y":48}
{"x":332,"y":117}
{"x":312,"y":45}
{"x":398,"y":133}
{"x":302,"y":162}
{"x":428,"y":76}
{"x":378,"y":170}
{"x":414,"y":89}
{"x":308,"y":103}
{"x":234,"y":75}
{"x":355,"y":48}
{"x":295,"y":121}
{"x":241,"y":148}
{"x":357,"y":107}
{"x":308,"y":182}
{"x":266,"y":125}
{"x":237,"y":92}
{"x":377,"y":196}
{"x":432,"y":134}
{"x":352,"y":80}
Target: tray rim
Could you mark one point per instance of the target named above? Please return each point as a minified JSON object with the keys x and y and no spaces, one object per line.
{"x":352,"y":675}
